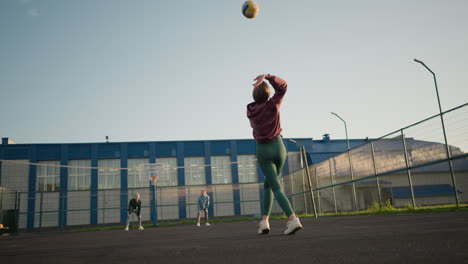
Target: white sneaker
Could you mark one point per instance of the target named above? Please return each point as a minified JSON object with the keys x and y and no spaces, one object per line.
{"x":198,"y":224}
{"x":292,"y":226}
{"x":126,"y":228}
{"x":207,"y":224}
{"x":263,"y":228}
{"x":141,"y":228}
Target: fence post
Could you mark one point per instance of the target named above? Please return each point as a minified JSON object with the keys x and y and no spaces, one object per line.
{"x":214,"y":201}
{"x":61,"y":209}
{"x":104,"y":207}
{"x":352,"y":178}
{"x":154,"y":208}
{"x":333,"y":187}
{"x":306,"y":208}
{"x":449,"y":157}
{"x":17,"y":208}
{"x":308,"y":179}
{"x":241,"y":198}
{"x":1,"y":205}
{"x":318,"y":191}
{"x":408,"y":167}
{"x":292,"y":189}
{"x":375,"y":174}
{"x":40,"y":211}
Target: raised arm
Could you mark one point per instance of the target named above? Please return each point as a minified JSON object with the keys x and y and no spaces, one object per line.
{"x":280,"y":86}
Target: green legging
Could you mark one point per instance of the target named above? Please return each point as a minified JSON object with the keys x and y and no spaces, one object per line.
{"x":271,"y":158}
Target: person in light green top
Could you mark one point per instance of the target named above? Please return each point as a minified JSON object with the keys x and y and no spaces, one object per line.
{"x":203,"y":204}
{"x":134,"y":206}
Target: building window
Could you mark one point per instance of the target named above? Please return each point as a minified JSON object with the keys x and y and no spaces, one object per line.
{"x":48,"y":177}
{"x":221,"y":172}
{"x":194,"y":171}
{"x":168,"y":171}
{"x":247,"y":165}
{"x":79,"y":175}
{"x":137,"y":173}
{"x":109,"y":174}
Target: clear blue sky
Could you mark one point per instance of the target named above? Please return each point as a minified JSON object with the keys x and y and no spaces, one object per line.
{"x":76,"y":71}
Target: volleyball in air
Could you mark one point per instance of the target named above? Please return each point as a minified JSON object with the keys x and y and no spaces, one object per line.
{"x":250,"y":9}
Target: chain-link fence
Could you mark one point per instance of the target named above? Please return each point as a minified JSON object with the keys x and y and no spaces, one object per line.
{"x":413,"y":166}
{"x":9,"y":213}
{"x":419,"y":165}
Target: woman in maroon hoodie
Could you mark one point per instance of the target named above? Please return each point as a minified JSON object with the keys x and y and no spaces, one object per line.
{"x":264,"y":117}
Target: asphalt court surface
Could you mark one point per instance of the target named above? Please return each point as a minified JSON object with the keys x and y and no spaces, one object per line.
{"x":404,"y":238}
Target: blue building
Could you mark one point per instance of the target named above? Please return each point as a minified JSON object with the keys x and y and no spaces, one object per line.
{"x":91,"y":183}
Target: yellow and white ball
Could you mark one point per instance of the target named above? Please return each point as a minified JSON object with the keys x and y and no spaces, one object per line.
{"x":250,"y":9}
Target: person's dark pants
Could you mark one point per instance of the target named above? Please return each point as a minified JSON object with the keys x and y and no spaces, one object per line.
{"x":130,"y":215}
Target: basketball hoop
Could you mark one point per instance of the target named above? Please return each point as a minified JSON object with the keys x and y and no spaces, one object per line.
{"x":154,"y":171}
{"x":153,"y":179}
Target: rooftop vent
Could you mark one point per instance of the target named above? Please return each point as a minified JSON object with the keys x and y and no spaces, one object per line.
{"x":326,"y":138}
{"x":7,"y":141}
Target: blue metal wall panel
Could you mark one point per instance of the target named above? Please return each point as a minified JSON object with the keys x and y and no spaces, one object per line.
{"x":182,"y":203}
{"x":153,"y":203}
{"x":307,"y":143}
{"x":235,"y":178}
{"x":207,"y":155}
{"x":210,"y":193}
{"x":108,"y":150}
{"x":219,"y":148}
{"x":123,"y":182}
{"x":152,"y":152}
{"x":16,"y":153}
{"x":234,"y":166}
{"x":290,"y":146}
{"x":48,"y":152}
{"x":63,"y":201}
{"x":32,"y":188}
{"x":1,"y":158}
{"x":194,"y":149}
{"x":166,"y":149}
{"x":138,"y":150}
{"x":245,"y":147}
{"x":181,"y":180}
{"x":94,"y":184}
{"x":180,"y":163}
{"x":79,"y":151}
{"x":209,"y":179}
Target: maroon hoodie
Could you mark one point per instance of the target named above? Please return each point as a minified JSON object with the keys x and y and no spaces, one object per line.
{"x":265,"y":118}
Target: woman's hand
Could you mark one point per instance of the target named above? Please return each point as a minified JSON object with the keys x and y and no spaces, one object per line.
{"x":258,"y":80}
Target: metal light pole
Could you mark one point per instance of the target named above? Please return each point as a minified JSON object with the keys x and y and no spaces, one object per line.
{"x":447,"y":149}
{"x":306,"y":165}
{"x":350,"y":160}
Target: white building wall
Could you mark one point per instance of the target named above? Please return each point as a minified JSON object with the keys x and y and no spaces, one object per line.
{"x":168,"y":203}
{"x":50,"y":209}
{"x":108,"y":206}
{"x":250,"y":199}
{"x":15,"y":175}
{"x":223,"y":200}
{"x":78,"y":206}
